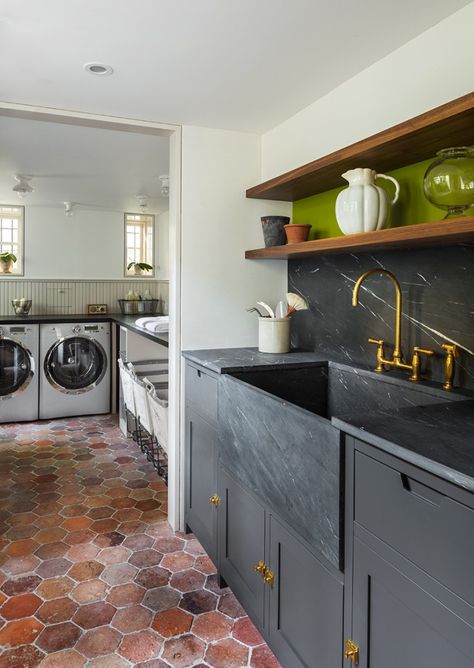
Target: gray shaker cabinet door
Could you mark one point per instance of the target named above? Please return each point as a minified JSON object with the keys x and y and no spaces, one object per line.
{"x":306,"y":605}
{"x":397,"y":624}
{"x":201,"y":481}
{"x":242,"y":544}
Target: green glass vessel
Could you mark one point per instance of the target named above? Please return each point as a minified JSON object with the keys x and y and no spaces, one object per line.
{"x":449,"y":181}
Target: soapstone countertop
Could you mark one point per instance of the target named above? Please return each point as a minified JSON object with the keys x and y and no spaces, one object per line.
{"x":127,"y":321}
{"x":438,"y":438}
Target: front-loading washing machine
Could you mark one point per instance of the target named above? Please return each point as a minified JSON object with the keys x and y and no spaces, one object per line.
{"x":19,"y":350}
{"x":75,"y":369}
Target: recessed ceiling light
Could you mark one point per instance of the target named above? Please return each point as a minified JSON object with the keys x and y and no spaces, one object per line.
{"x":98,"y":68}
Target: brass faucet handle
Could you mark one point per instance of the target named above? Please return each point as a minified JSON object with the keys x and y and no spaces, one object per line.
{"x":423,"y":351}
{"x":416,"y":363}
{"x":380,"y":354}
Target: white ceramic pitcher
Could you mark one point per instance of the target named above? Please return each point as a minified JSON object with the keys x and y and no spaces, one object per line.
{"x":363,"y":206}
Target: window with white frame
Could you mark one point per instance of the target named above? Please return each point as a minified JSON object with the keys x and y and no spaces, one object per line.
{"x":12,"y":221}
{"x":139,"y":241}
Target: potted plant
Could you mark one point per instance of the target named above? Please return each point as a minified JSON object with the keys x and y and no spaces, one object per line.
{"x":6,"y":262}
{"x":139,"y":267}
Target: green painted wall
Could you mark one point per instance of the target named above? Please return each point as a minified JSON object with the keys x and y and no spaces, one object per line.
{"x":411,"y":208}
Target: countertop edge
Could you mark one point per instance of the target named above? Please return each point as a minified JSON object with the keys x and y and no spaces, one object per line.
{"x":440,"y":470}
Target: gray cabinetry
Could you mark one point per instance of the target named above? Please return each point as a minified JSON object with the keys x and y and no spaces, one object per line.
{"x":201,"y":458}
{"x":299,"y":608}
{"x":306,"y":601}
{"x":411,"y":541}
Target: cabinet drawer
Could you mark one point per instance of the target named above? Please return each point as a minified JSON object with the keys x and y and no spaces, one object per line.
{"x":429,"y":528}
{"x":201,"y":392}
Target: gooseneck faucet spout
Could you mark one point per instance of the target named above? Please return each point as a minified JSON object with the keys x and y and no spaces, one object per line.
{"x":397,"y":353}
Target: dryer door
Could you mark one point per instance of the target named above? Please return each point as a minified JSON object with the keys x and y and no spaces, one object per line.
{"x":75,"y":364}
{"x":16,"y":368}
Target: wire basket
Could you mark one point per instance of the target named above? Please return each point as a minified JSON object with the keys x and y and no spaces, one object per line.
{"x":139,"y":306}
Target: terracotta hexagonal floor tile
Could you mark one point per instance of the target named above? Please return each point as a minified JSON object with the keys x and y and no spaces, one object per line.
{"x":55,"y":588}
{"x":20,"y":632}
{"x":205,"y":565}
{"x":119,"y":573}
{"x":153,"y":577}
{"x":139,"y":541}
{"x":109,"y":661}
{"x":146,"y":558}
{"x":51,"y":550}
{"x":59,"y":636}
{"x":21,"y":657}
{"x":126,"y":595}
{"x":20,"y":606}
{"x":76,"y":523}
{"x":78,"y":537}
{"x":67,"y":658}
{"x":97,"y":642}
{"x":82,"y":552}
{"x":19,"y":565}
{"x":127,"y":514}
{"x":57,"y":610}
{"x":109,"y":539}
{"x":246,"y":632}
{"x":194,"y":547}
{"x":53,"y":567}
{"x":198,"y":601}
{"x":134,"y":618}
{"x":230,"y":606}
{"x":172,"y":622}
{"x":140,"y":646}
{"x":168,"y":544}
{"x":212,"y":626}
{"x":161,"y":598}
{"x":184,"y":651}
{"x":53,"y":535}
{"x":86,"y":570}
{"x":100,"y":513}
{"x":227,"y":654}
{"x":89,"y":591}
{"x":188,"y":580}
{"x":21,"y":585}
{"x":114,"y":555}
{"x":76,"y":510}
{"x":106,"y":525}
{"x":177,"y":561}
{"x":262,"y":657}
{"x":94,"y":614}
{"x":21,"y":548}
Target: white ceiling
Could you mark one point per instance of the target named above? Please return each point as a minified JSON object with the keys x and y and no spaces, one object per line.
{"x":237,"y":64}
{"x":95,"y":168}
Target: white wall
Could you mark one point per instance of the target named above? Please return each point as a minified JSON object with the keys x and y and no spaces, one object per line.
{"x":218,"y":225}
{"x":432,"y":69}
{"x":89,"y":244}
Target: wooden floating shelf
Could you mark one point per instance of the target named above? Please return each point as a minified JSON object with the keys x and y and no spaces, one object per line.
{"x":418,"y":139}
{"x":440,"y":233}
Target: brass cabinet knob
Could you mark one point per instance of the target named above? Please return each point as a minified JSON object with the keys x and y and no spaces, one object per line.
{"x":351,"y":652}
{"x":261,"y":568}
{"x":215,"y":500}
{"x":269,"y":578}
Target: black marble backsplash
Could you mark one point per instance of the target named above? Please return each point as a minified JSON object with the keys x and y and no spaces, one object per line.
{"x":438,"y":306}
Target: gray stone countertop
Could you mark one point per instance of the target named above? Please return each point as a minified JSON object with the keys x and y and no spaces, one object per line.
{"x":229,"y":360}
{"x":437,"y":438}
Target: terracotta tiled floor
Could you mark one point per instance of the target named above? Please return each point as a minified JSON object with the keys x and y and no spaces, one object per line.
{"x":90,"y":572}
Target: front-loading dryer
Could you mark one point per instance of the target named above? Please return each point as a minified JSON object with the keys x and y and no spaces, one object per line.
{"x":19,"y":350}
{"x":75,"y":369}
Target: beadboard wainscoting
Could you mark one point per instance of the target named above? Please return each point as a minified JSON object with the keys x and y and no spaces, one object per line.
{"x":70,"y":297}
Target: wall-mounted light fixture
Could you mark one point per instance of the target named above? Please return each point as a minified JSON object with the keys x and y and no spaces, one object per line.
{"x":23,"y":186}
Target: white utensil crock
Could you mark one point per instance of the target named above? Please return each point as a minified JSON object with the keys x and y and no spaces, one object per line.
{"x":273,"y":335}
{"x":363,"y":206}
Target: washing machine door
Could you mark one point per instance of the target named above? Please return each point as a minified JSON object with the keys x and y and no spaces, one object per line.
{"x":75,"y":364}
{"x":16,"y":367}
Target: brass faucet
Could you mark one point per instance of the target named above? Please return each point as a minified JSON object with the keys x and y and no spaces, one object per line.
{"x":397,"y":360}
